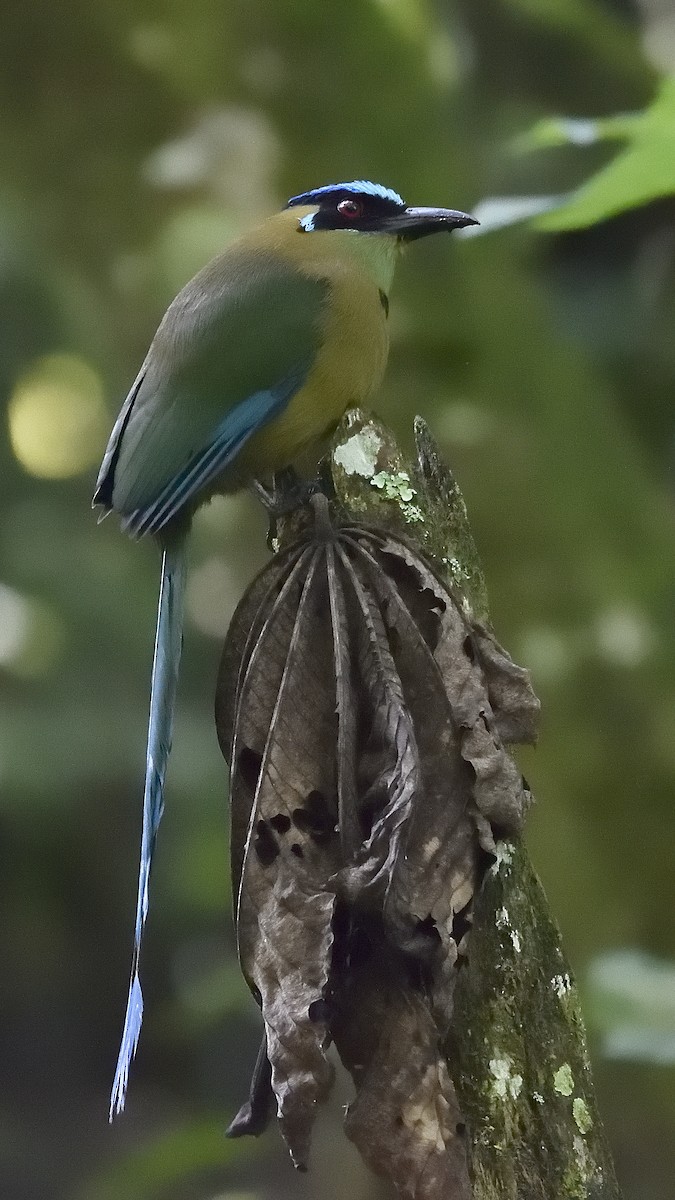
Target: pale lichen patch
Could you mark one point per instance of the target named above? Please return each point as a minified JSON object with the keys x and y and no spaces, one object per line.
{"x":458,"y":572}
{"x":507,"y":1083}
{"x":561,"y":984}
{"x":431,"y":847}
{"x":504,"y":858}
{"x":563,"y":1080}
{"x":358,"y":455}
{"x":504,"y":922}
{"x":538,"y":1098}
{"x":582,"y":1116}
{"x":396,"y":486}
{"x":590,"y":1172}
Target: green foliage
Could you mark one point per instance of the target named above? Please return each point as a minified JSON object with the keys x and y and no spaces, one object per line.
{"x":134,"y":138}
{"x":590,"y":24}
{"x":631,"y":1003}
{"x":166,"y":1160}
{"x":642,"y":172}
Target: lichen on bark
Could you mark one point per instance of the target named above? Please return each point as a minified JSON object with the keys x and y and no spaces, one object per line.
{"x":517,"y":1048}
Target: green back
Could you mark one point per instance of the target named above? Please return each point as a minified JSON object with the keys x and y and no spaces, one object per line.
{"x":244,"y":325}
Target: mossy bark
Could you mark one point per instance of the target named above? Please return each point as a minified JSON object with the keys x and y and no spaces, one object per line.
{"x":517,"y":1053}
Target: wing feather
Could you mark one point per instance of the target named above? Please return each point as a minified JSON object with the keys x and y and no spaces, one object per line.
{"x":231,"y":350}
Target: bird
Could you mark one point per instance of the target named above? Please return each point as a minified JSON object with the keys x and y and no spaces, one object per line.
{"x":256,"y":359}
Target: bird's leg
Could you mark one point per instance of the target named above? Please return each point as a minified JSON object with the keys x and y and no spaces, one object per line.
{"x":287,"y":493}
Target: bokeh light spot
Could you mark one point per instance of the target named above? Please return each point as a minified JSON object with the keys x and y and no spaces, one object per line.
{"x":14,"y":624}
{"x":624,"y":636}
{"x":211,"y":597}
{"x":31,"y":634}
{"x":57,"y":417}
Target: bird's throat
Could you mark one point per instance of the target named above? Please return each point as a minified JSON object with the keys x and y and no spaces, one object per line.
{"x":376,"y":253}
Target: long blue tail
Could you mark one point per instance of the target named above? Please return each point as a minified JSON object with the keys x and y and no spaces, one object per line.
{"x":168,"y":645}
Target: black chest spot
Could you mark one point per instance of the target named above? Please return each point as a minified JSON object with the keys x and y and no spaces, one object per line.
{"x":384,"y":301}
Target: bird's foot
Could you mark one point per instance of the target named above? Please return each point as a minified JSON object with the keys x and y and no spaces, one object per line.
{"x":288,"y":492}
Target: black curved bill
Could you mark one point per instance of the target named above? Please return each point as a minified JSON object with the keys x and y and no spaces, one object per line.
{"x":413,"y":223}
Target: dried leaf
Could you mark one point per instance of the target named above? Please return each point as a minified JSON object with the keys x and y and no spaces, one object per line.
{"x":388,"y":761}
{"x":514,"y":705}
{"x":261,"y":666}
{"x":254,"y":1116}
{"x":242,"y":635}
{"x":498,"y":789}
{"x":358,"y":697}
{"x":288,"y":962}
{"x":347,"y":711}
{"x":284,"y":909}
{"x":405,"y":1119}
{"x":432,"y":883}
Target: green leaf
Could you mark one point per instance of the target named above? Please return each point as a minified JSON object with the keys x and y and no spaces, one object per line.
{"x":499,"y":212}
{"x":577,"y":131}
{"x":638,"y":176}
{"x":631,"y":1003}
{"x":643,"y":172}
{"x":147,"y":1171}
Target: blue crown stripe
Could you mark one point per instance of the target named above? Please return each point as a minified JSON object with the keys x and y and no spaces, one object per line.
{"x":361,"y":187}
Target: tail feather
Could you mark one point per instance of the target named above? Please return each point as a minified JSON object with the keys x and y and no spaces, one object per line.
{"x":168,"y":645}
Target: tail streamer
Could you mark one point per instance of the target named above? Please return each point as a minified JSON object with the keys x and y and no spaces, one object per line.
{"x":168,"y":645}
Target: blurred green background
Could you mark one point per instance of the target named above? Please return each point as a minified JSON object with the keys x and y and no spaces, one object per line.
{"x":137,"y":138}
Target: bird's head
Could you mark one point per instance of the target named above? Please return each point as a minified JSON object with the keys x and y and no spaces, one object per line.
{"x":362,"y":207}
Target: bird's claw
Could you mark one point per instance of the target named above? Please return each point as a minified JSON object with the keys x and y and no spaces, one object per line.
{"x":287,"y":493}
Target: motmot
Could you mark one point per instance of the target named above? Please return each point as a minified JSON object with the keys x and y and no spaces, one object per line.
{"x":256,"y":359}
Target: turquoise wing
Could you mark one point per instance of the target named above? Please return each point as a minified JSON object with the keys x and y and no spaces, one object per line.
{"x":232,"y":349}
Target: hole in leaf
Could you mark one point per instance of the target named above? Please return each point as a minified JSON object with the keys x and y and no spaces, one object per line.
{"x":485,"y":858}
{"x":315,"y":818}
{"x":265,"y":844}
{"x":318,"y":1011}
{"x":394,"y":641}
{"x":316,"y":803}
{"x":469,"y":648}
{"x":462,"y":921}
{"x":281,"y":823}
{"x":370,"y":810}
{"x":425,"y":604}
{"x":435,"y":602}
{"x":249,"y":763}
{"x":427,"y":928}
{"x":499,"y":832}
{"x":297,"y":850}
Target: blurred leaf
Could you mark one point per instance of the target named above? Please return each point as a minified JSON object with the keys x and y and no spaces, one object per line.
{"x":208,"y":997}
{"x":643,"y":172}
{"x":576,"y":131}
{"x":632,"y":1003}
{"x":589,"y":23}
{"x":498,"y":212}
{"x":144,"y":1173}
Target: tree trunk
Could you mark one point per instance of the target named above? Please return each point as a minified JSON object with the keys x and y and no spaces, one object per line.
{"x":521,"y":1122}
{"x":517,"y":1053}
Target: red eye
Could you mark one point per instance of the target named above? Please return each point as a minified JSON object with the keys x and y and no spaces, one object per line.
{"x":350,"y":208}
